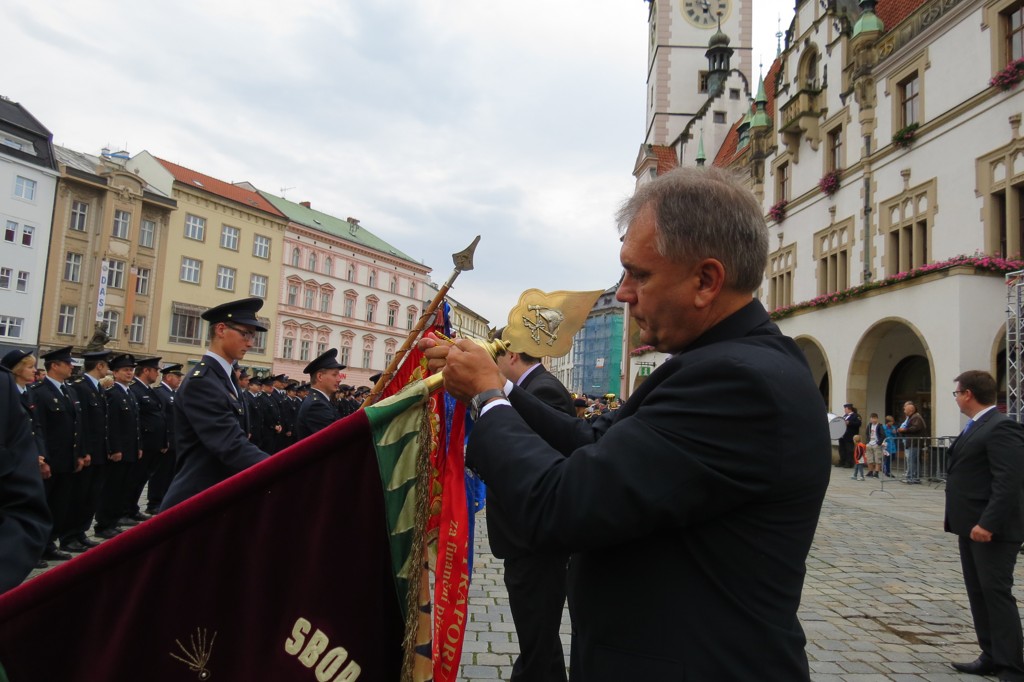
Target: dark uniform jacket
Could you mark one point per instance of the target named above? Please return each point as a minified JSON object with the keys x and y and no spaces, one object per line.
{"x":152,"y":422}
{"x":94,"y":420}
{"x":58,"y":421}
{"x":252,"y":409}
{"x":288,"y":410}
{"x":545,"y":387}
{"x":270,"y":416}
{"x":122,"y":423}
{"x":211,"y":437}
{"x":165,"y":395}
{"x":689,"y":546}
{"x":316,"y":413}
{"x":985,"y":479}
{"x":24,"y":516}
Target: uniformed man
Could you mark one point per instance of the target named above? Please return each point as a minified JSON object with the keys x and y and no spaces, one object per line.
{"x":123,"y":449}
{"x":58,"y":421}
{"x":317,"y":411}
{"x":345,"y":403}
{"x":163,"y":472}
{"x":252,"y":409}
{"x":270,"y":417}
{"x":211,"y":435}
{"x":93,"y":404}
{"x":287,"y":434}
{"x":152,"y":433}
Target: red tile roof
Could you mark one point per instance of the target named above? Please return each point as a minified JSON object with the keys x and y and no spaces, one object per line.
{"x":187,"y":176}
{"x":728,"y":152}
{"x":892,"y":12}
{"x":666,"y":158}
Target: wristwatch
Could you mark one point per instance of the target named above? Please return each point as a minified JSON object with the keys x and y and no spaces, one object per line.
{"x":480,"y":399}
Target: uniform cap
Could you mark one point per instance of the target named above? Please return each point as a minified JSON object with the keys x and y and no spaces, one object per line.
{"x":238,"y":312}
{"x":326,"y":360}
{"x":59,"y":355}
{"x":255,"y":381}
{"x":148,"y":362}
{"x":121,"y":361}
{"x":172,"y":369}
{"x":14,"y":357}
{"x":98,"y":355}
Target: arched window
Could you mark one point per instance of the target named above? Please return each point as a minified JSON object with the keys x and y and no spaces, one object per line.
{"x":296,"y":256}
{"x":328,"y":266}
{"x":351,"y":275}
{"x":312,"y":262}
{"x":372,"y":281}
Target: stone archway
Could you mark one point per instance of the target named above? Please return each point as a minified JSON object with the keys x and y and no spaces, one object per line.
{"x":998,"y":368}
{"x":818,"y":362}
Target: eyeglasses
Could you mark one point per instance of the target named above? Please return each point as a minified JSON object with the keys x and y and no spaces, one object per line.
{"x":246,"y":334}
{"x":956,"y":393}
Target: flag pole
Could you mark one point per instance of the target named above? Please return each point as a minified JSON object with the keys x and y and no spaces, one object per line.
{"x":463,"y":261}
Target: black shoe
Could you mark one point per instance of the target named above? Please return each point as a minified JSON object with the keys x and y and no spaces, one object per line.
{"x":54,"y":554}
{"x":127,"y":521}
{"x":139,"y":516}
{"x":152,"y":512}
{"x":107,"y":533}
{"x":73,"y":546}
{"x":86,"y":542}
{"x":42,"y":564}
{"x":976,"y":667}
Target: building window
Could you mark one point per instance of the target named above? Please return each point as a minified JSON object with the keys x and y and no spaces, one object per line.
{"x":225,"y":278}
{"x":371,"y":279}
{"x":832,"y":255}
{"x":344,"y":355}
{"x":73,"y":267}
{"x":296,"y":257}
{"x":389,"y":356}
{"x":367,"y":358}
{"x":190,"y":270}
{"x":115,"y":274}
{"x":835,"y":149}
{"x":1014,"y":21}
{"x":79,"y":216}
{"x":112,"y":319}
{"x":392,"y":312}
{"x":412,"y":289}
{"x":350,"y":275}
{"x":312,"y":262}
{"x":304,"y":351}
{"x":910,"y":90}
{"x":718,"y":117}
{"x":27,"y":233}
{"x":781,"y":266}
{"x":325,"y":302}
{"x":261,"y":246}
{"x":258,"y":286}
{"x":782,"y":182}
{"x":702,"y":82}
{"x":328,"y":266}
{"x":147,"y":233}
{"x":10,"y":327}
{"x":308,"y":295}
{"x":906,"y":221}
{"x":22,"y":285}
{"x":321,"y":348}
{"x":136,"y":329}
{"x":186,"y":325}
{"x":293,"y":294}
{"x":142,"y":281}
{"x":6,"y":274}
{"x":259,"y":341}
{"x":229,"y":237}
{"x":11,"y":232}
{"x":66,"y":319}
{"x":122,"y":224}
{"x":350,"y":304}
{"x":288,"y":348}
{"x":394,"y":284}
{"x":371,"y":309}
{"x":410,"y":319}
{"x":195,"y":227}
{"x":24,"y":188}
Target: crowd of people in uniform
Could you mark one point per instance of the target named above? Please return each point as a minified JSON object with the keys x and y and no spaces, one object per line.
{"x":101,"y":435}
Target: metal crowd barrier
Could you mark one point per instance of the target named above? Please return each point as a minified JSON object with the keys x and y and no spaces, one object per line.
{"x":930,"y":453}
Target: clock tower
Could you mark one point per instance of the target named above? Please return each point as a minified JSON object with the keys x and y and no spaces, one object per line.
{"x":677,"y":65}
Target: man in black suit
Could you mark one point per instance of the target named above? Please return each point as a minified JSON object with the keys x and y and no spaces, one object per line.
{"x":985,"y":510}
{"x":94,"y":444}
{"x":853,"y":424}
{"x":58,"y":421}
{"x":163,"y":472}
{"x":688,"y":547}
{"x":124,"y":449}
{"x":152,"y":434}
{"x":317,"y":411}
{"x":211,"y":436}
{"x":270,"y":417}
{"x":251,"y":397}
{"x":535,"y":580}
{"x":24,"y":516}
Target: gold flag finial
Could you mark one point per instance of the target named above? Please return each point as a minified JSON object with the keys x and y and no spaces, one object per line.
{"x":543,"y":324}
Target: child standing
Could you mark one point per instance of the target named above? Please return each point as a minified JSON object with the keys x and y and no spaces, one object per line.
{"x":859,"y":458}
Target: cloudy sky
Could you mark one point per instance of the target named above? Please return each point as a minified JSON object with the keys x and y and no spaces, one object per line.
{"x":431,"y":121}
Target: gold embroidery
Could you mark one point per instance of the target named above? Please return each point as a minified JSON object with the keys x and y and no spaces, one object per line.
{"x":198,"y":656}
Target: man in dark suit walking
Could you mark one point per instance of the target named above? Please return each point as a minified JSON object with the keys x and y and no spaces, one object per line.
{"x":985,"y":510}
{"x":688,"y":547}
{"x":535,"y":580}
{"x":211,"y":429}
{"x":317,"y":411}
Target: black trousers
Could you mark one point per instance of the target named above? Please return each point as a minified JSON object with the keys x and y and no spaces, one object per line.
{"x":87,"y":486}
{"x":160,"y":481}
{"x":113,"y":494}
{"x":142,"y":471}
{"x":845,"y":453}
{"x":988,"y":577}
{"x":60,"y":494}
{"x":536,"y":596}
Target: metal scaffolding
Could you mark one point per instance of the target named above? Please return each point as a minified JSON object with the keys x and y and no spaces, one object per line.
{"x":1015,"y":345}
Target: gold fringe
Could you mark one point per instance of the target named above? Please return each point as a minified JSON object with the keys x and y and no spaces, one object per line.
{"x":417,"y":592}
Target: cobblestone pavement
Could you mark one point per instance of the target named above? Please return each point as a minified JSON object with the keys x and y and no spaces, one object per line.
{"x":883,"y":599}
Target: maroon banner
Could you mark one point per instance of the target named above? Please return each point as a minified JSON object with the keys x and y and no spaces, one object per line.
{"x":279,"y":573}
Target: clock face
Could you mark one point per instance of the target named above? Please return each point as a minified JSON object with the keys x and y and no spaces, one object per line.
{"x":704,"y":13}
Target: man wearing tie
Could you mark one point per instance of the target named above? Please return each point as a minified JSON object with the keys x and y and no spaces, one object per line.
{"x":985,"y":510}
{"x":58,"y":420}
{"x":94,"y":444}
{"x":317,"y":411}
{"x":123,"y":449}
{"x":211,"y":429}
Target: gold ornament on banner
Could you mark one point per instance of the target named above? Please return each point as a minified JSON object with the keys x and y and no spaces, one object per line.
{"x":543,"y":324}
